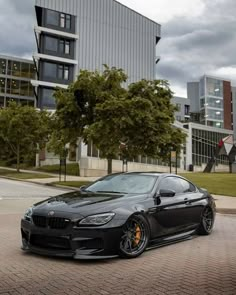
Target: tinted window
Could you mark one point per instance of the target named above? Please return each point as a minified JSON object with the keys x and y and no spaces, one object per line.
{"x":171,"y":183}
{"x":51,"y":43}
{"x":50,"y":70}
{"x":187,"y":186}
{"x":52,"y":18}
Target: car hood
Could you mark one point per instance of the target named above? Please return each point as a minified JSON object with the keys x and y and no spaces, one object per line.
{"x":85,"y":203}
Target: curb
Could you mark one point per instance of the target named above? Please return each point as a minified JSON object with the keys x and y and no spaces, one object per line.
{"x":38,"y":183}
{"x":231,"y":211}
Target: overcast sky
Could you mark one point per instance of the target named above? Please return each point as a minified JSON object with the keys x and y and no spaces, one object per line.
{"x":198,"y":36}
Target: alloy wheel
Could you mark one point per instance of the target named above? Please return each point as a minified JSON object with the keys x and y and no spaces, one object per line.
{"x":135,"y":237}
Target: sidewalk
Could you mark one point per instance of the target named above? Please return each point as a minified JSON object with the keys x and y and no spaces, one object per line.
{"x":225,"y":204}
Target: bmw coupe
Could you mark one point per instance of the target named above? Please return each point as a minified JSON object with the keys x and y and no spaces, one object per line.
{"x":118,"y":215}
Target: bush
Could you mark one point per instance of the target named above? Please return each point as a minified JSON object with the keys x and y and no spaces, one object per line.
{"x":71,"y":169}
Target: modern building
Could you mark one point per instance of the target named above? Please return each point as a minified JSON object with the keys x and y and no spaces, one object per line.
{"x":77,"y":35}
{"x":183,"y":105}
{"x":84,"y":35}
{"x":211,"y":102}
{"x":201,"y":144}
{"x":15,"y":77}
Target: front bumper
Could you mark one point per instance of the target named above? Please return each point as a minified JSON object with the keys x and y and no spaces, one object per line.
{"x":77,"y":243}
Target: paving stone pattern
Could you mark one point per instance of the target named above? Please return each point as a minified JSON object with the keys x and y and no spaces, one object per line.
{"x":203,"y":265}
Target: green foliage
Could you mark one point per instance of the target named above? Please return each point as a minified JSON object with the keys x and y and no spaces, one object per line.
{"x":65,"y":122}
{"x":71,"y":169}
{"x":98,"y":108}
{"x":23,"y":130}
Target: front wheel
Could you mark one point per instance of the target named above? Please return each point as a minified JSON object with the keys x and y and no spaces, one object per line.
{"x":135,"y":237}
{"x":207,"y":222}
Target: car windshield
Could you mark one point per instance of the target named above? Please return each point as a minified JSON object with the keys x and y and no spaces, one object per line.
{"x":124,"y":183}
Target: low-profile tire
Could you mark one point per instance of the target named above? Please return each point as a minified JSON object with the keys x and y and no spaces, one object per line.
{"x":135,"y":237}
{"x":207,"y":222}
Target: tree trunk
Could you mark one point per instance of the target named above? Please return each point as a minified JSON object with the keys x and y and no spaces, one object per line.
{"x":109,"y":166}
{"x":230,"y":167}
{"x":18,"y":158}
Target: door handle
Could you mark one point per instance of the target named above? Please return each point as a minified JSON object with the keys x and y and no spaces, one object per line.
{"x":187,"y":202}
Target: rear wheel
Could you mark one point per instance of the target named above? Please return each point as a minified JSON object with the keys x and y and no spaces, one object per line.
{"x":135,"y":237}
{"x":207,"y":222}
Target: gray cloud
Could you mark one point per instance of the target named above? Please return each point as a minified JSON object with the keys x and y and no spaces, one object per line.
{"x":191,"y":47}
{"x":16,"y":22}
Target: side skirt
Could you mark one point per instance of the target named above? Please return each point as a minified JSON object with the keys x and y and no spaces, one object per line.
{"x":171,"y":239}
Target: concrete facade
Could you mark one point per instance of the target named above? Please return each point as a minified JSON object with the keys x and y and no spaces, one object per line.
{"x":98,"y":32}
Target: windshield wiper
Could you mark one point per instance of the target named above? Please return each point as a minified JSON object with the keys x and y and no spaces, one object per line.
{"x":111,"y":192}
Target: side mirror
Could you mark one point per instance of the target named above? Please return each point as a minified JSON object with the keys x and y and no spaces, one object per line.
{"x":166,"y":193}
{"x":83,"y":187}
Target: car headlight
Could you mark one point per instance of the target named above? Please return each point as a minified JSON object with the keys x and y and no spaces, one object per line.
{"x":28,"y":214}
{"x":98,"y":219}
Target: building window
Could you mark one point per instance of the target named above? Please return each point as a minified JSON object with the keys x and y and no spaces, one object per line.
{"x":2,"y":85}
{"x":56,"y":71}
{"x":15,"y":87}
{"x":65,"y":21}
{"x":52,"y":17}
{"x":186,"y":110}
{"x":68,"y":21}
{"x":50,"y":70}
{"x":1,"y":101}
{"x":51,"y":43}
{"x":63,"y":72}
{"x":24,"y":88}
{"x":3,"y":66}
{"x":64,"y":47}
{"x":25,"y":70}
{"x":214,"y":87}
{"x":62,"y":20}
{"x":48,"y":100}
{"x":178,"y":105}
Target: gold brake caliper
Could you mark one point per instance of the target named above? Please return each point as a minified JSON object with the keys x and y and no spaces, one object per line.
{"x":137,"y":234}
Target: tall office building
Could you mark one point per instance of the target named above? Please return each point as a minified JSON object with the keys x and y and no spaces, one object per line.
{"x":211,"y":98}
{"x":15,"y":76}
{"x":78,"y":34}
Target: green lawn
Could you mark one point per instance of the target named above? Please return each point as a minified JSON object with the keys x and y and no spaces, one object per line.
{"x":72,"y":183}
{"x":71,"y":169}
{"x":215,"y":183}
{"x":22,"y":175}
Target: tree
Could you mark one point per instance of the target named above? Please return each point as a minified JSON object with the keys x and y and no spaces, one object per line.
{"x":76,"y":108}
{"x":23,"y":129}
{"x":142,"y":120}
{"x":66,"y":122}
{"x":98,"y":108}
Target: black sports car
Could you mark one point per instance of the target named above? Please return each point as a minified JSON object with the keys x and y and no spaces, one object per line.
{"x":120,"y":214}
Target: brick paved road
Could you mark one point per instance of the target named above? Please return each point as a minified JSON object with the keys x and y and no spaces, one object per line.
{"x":203,"y":265}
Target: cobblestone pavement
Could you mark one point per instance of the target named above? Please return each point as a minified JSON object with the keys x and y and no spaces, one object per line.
{"x":203,"y":265}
